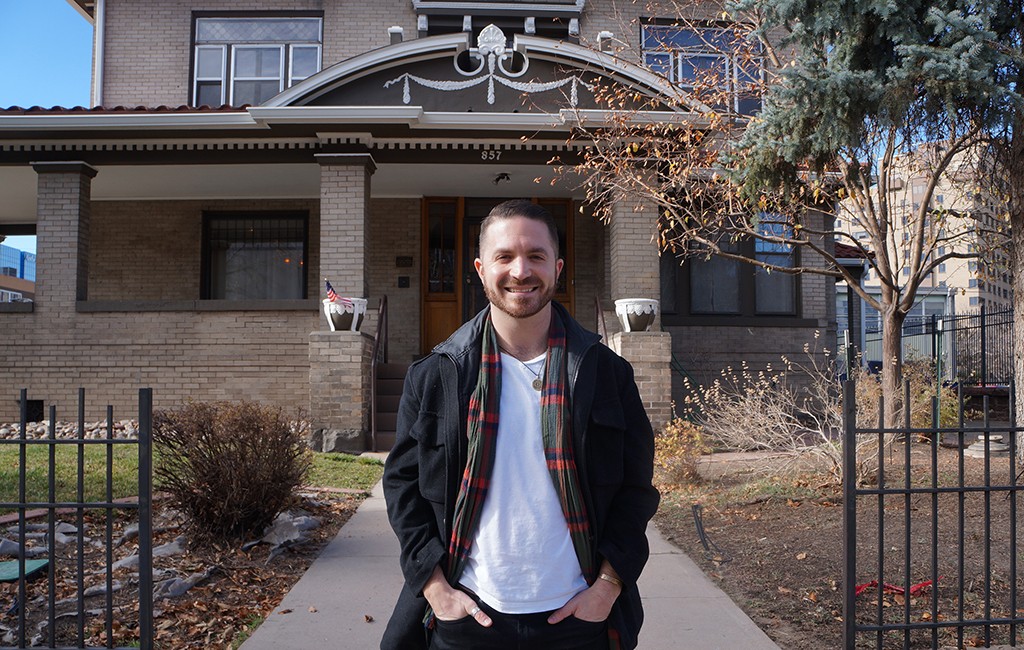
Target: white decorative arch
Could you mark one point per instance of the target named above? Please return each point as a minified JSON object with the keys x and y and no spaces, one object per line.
{"x":491,"y":57}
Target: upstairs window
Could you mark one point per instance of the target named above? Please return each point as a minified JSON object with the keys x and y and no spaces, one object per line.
{"x":249,"y":60}
{"x":714,"y":63}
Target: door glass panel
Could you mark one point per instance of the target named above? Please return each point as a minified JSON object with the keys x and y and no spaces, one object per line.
{"x":441,"y":248}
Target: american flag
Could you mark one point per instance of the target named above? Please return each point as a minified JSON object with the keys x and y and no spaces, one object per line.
{"x":333,"y":296}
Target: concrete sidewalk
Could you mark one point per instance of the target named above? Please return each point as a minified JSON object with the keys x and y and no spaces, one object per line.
{"x":345,"y":598}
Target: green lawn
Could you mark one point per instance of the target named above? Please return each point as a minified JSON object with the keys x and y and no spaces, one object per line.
{"x":345,"y":471}
{"x":327,"y":470}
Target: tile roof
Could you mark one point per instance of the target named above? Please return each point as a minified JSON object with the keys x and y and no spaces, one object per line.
{"x":119,"y":110}
{"x":845,"y":251}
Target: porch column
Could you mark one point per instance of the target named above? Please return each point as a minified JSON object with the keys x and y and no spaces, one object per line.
{"x":636,"y":273}
{"x":339,"y":362}
{"x":344,"y":211}
{"x":63,"y":203}
{"x":634,"y":252}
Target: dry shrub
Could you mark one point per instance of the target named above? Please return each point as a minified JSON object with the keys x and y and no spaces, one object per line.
{"x":229,"y":467}
{"x":921,"y":375}
{"x":765,"y":410}
{"x":677,"y":450}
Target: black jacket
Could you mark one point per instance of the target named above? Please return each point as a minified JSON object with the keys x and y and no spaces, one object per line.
{"x":614,"y":455}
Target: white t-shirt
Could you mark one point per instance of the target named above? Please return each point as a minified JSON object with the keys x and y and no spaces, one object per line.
{"x":522,"y":559}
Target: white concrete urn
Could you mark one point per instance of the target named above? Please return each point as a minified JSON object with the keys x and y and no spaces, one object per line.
{"x":345,"y":314}
{"x":636,"y":314}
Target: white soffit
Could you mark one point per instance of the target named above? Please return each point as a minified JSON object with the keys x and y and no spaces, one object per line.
{"x":283,"y":181}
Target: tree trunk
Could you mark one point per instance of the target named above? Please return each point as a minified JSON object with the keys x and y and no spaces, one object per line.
{"x":892,"y":366}
{"x":1014,"y":169}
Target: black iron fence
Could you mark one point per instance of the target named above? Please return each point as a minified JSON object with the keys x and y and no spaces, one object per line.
{"x":930,"y":532}
{"x":972,"y":348}
{"x":55,"y":613}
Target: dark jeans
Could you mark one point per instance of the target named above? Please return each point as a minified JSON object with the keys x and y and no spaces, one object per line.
{"x":519,"y":632}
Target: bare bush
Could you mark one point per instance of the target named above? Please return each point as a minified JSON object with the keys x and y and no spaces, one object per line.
{"x":768,"y":410}
{"x":229,"y":467}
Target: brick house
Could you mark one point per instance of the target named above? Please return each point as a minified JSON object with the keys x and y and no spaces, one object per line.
{"x":239,"y":152}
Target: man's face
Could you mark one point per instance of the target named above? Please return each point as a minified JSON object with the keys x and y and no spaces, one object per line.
{"x":518,"y":266}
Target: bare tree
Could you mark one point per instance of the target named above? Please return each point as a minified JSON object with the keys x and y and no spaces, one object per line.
{"x":772,"y":139}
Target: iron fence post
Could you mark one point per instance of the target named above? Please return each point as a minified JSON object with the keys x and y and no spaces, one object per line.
{"x":146,"y":518}
{"x":984,"y":351}
{"x":849,"y":514}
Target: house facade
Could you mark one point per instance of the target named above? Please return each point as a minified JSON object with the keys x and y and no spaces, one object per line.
{"x":239,"y":153}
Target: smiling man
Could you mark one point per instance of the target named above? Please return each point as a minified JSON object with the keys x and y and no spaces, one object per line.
{"x":520,"y":483}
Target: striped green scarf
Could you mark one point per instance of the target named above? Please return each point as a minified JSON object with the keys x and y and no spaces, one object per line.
{"x":483,"y":434}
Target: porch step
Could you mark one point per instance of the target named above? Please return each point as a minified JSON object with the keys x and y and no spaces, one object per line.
{"x":390,"y":382}
{"x":385,"y":440}
{"x":391,"y":386}
{"x":392,"y":370}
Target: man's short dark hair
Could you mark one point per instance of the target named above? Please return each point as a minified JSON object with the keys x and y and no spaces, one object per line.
{"x":521,"y":208}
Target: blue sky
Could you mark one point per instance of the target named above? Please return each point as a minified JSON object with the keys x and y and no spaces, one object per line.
{"x":45,"y":60}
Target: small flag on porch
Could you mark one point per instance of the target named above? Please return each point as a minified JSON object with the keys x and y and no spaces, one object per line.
{"x":333,"y":296}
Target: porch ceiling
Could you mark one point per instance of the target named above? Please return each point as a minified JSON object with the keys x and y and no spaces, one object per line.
{"x":179,"y":182}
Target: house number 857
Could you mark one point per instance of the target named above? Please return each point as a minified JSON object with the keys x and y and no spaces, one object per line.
{"x":490,"y":155}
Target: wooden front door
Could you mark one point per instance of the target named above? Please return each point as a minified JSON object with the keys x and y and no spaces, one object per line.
{"x":452,"y":292}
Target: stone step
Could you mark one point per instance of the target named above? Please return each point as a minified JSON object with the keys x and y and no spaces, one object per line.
{"x":392,"y":370}
{"x":390,"y":386}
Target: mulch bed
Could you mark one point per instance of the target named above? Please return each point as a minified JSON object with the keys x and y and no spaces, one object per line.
{"x":780,"y":556}
{"x":243,"y":586}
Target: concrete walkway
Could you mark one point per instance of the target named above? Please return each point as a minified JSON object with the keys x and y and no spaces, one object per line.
{"x":345,"y":598}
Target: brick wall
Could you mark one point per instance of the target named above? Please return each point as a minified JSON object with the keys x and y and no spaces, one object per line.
{"x":161,"y":261}
{"x":633,"y":255}
{"x":344,"y":206}
{"x":588,"y":236}
{"x":148,"y":43}
{"x":351,"y":28}
{"x":63,"y":224}
{"x":649,"y":353}
{"x":394,"y":231}
{"x":339,"y":390}
{"x":200,"y":355}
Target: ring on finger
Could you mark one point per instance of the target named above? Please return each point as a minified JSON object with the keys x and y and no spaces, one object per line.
{"x":474,"y":611}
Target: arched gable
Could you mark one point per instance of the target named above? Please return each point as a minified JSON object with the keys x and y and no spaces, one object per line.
{"x":445,"y":74}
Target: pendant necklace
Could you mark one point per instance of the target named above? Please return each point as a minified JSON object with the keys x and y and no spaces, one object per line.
{"x":537,"y":383}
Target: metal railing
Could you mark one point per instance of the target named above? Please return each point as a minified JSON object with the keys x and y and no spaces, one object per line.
{"x":602,"y":327}
{"x":974,"y":348}
{"x":79,"y":505}
{"x":378,"y":355}
{"x":926,"y":601}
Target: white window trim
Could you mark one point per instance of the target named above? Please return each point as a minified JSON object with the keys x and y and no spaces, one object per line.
{"x":223,"y":72}
{"x":254,"y":46}
{"x":292,"y":79}
{"x":228,"y":79}
{"x":676,"y":62}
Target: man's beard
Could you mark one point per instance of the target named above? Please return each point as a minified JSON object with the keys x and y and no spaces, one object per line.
{"x":519,"y":308}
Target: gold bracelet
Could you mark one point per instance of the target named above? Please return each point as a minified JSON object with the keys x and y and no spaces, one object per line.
{"x":610,"y":578}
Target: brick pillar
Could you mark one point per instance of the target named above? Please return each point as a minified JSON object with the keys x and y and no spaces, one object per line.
{"x":344,"y":212}
{"x":62,"y":233}
{"x":339,"y":390}
{"x":339,"y":362}
{"x":633,"y":251}
{"x":650,"y":354}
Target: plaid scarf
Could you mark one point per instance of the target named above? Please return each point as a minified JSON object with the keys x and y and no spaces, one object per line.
{"x":558,"y":452}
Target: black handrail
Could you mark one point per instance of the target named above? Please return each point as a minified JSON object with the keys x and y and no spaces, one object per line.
{"x":602,"y":327}
{"x":378,"y":356}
